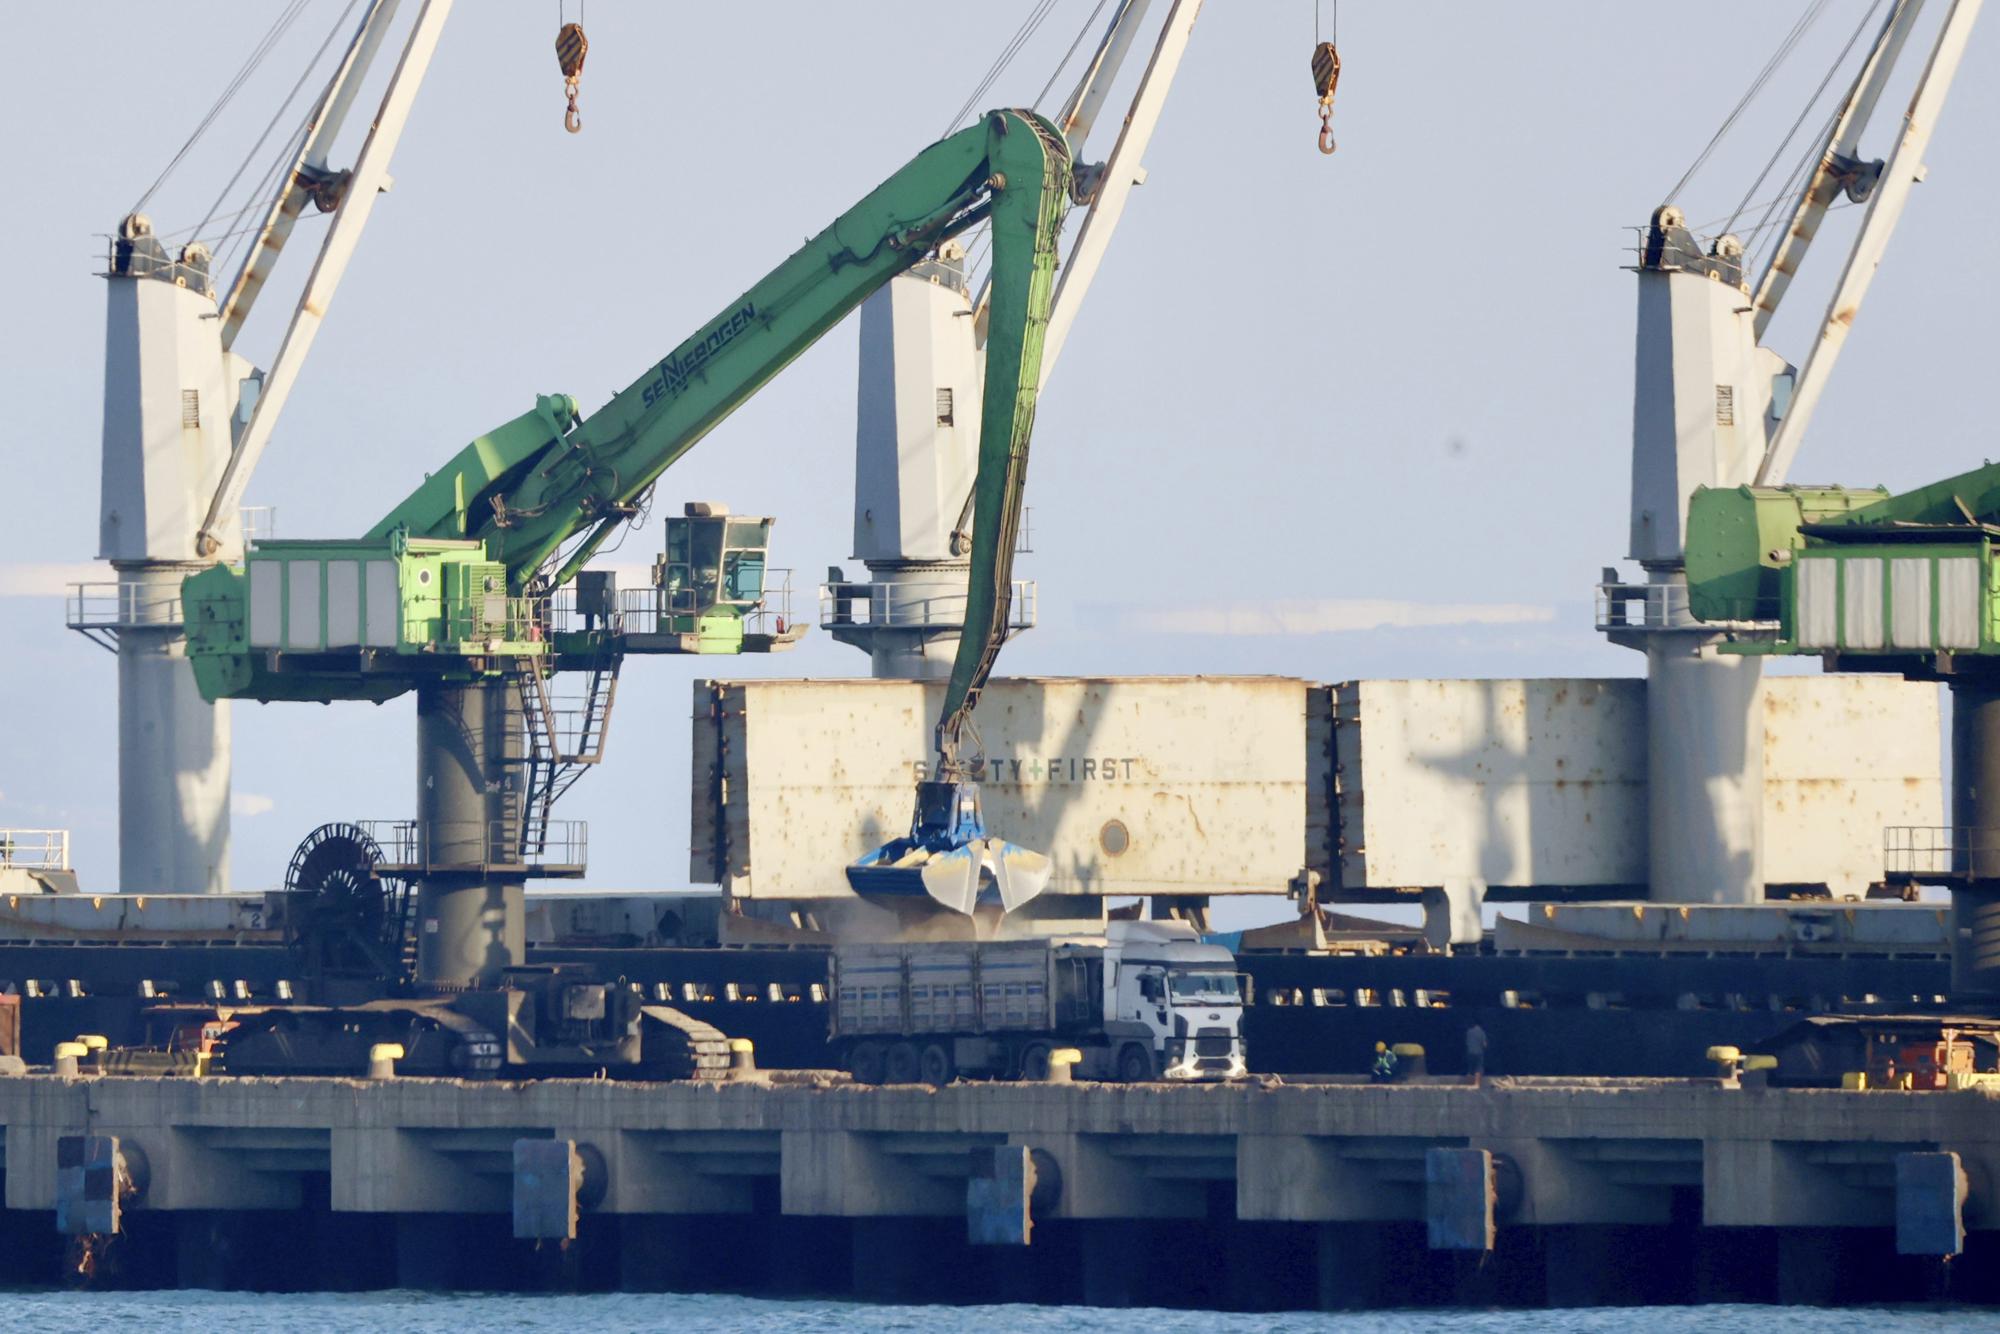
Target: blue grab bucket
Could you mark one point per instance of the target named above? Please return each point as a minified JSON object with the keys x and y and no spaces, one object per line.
{"x":948,"y":857}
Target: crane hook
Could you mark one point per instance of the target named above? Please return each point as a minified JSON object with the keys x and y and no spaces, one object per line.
{"x":1326,"y":75}
{"x":571,"y":47}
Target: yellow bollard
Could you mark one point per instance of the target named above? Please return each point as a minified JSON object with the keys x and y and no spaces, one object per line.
{"x":1062,"y":1065}
{"x":382,"y":1058}
{"x":66,"y":1057}
{"x":742,"y":1057}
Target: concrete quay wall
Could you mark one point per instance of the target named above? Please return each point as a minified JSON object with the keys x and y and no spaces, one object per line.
{"x":1323,"y":1192}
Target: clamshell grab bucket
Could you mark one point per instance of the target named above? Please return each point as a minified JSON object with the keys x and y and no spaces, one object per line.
{"x":949,"y":858}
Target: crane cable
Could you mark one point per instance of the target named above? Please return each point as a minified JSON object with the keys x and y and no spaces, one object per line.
{"x":1785,"y":48}
{"x":1013,"y":48}
{"x":279,"y":26}
{"x":289,"y":149}
{"x":1029,"y":25}
{"x":1813,"y":146}
{"x":1326,"y":74}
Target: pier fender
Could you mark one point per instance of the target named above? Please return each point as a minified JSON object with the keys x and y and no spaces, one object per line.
{"x":97,"y":1176}
{"x":548,"y":1183}
{"x":1460,"y":1195}
{"x":1008,"y":1186}
{"x":1931,"y":1194}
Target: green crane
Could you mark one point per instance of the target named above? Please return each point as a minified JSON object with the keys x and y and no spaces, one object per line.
{"x":451,"y":592}
{"x":1873,"y":582}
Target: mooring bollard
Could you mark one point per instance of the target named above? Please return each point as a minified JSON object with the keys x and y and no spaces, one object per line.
{"x":1062,"y":1065}
{"x":742,"y":1057}
{"x":382,"y":1058}
{"x":66,"y":1057}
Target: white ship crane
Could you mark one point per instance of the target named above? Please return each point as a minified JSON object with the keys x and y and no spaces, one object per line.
{"x":186,"y":419}
{"x":1713,"y":406}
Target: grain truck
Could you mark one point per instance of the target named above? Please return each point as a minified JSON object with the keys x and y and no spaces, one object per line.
{"x":1145,"y":1000}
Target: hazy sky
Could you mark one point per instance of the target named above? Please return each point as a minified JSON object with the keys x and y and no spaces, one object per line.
{"x":1366,"y":415}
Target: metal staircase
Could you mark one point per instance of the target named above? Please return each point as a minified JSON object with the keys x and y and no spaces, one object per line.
{"x":561,"y":738}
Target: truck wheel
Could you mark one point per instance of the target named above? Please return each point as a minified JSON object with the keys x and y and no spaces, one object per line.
{"x":1135,"y":1063}
{"x":903,"y":1065}
{"x":1035,"y":1062}
{"x":936,"y":1066}
{"x":865,"y":1062}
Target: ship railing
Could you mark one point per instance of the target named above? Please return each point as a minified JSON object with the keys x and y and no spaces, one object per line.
{"x":1623,"y":606}
{"x":414,"y":847}
{"x":890,"y":606}
{"x":35,"y":849}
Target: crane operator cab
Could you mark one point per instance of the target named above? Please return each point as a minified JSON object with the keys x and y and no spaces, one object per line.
{"x":710,"y":579}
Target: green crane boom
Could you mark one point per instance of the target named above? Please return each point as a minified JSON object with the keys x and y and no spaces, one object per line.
{"x":447,"y":585}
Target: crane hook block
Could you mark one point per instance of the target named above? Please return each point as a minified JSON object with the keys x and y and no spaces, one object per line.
{"x":1326,"y":76}
{"x":571,"y":47}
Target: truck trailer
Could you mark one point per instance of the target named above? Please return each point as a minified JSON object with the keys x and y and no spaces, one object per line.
{"x":1145,"y":1000}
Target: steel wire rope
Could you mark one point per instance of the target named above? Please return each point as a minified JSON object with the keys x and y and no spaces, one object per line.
{"x":279,"y":25}
{"x":1812,"y":149}
{"x":1769,"y":225}
{"x":258,"y":199}
{"x":1070,"y":54}
{"x":1028,"y":27}
{"x":278,"y":115}
{"x":976,"y":242}
{"x":1778,"y":57}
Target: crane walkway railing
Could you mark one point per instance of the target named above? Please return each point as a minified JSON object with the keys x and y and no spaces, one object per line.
{"x":1641,"y":607}
{"x":35,"y":849}
{"x":1940,"y":853}
{"x":889,"y":606}
{"x":414,"y":847}
{"x":642,"y":610}
{"x":103,"y":609}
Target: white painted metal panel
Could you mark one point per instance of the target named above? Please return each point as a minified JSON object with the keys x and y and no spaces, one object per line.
{"x":1844,"y":758}
{"x":1861,"y":602}
{"x":384,"y":605}
{"x":1958,"y":602}
{"x":1819,"y":602}
{"x":1910,"y":602}
{"x":302,"y":624}
{"x":1542,"y":784}
{"x":1176,"y":785}
{"x":1229,"y":785}
{"x":343,"y":603}
{"x":267,"y":603}
{"x":1500,"y":783}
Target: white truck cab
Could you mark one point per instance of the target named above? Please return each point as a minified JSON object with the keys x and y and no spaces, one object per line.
{"x":1186,"y":993}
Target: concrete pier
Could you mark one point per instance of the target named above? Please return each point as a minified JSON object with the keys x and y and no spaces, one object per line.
{"x":1249,"y":1197}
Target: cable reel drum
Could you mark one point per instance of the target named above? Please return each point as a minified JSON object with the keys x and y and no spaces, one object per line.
{"x":343,"y":917}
